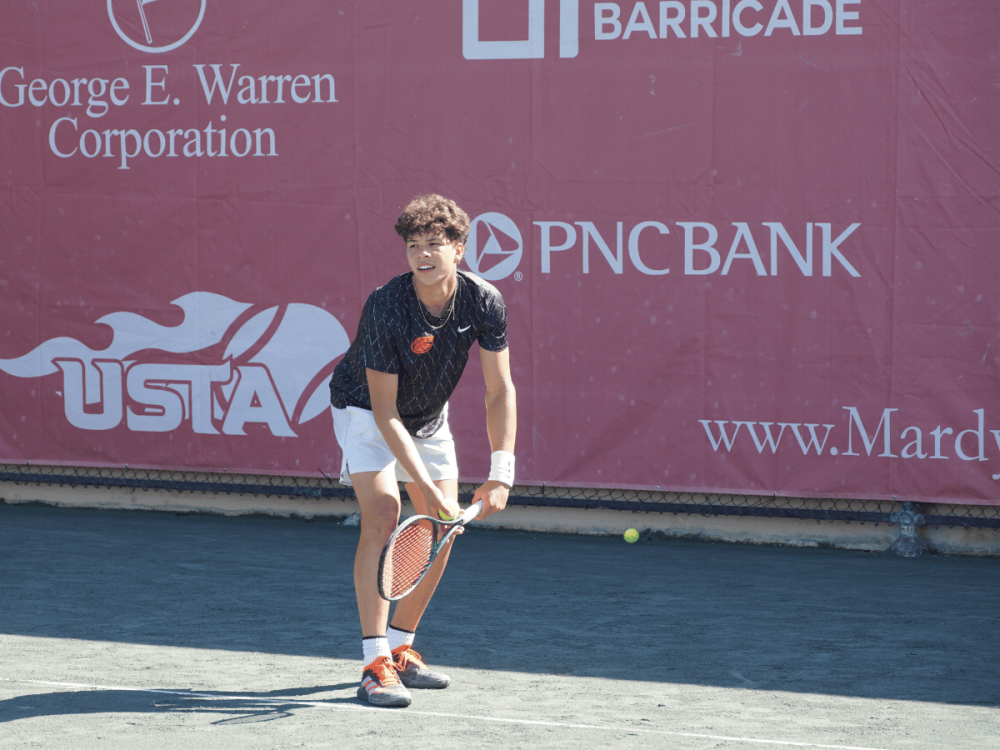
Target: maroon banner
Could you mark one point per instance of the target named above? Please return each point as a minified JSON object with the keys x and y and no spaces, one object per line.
{"x":746,"y":245}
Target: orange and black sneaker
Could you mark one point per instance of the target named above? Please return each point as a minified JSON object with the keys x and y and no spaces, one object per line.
{"x":380,"y":685}
{"x":413,"y":673}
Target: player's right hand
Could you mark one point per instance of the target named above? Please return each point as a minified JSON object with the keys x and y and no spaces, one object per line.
{"x":439,"y":506}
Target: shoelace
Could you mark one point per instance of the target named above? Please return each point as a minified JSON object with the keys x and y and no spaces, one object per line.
{"x":386,"y":672}
{"x":408,"y":656}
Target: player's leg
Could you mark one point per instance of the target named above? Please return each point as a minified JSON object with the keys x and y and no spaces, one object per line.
{"x":369,"y":466}
{"x":411,"y":608}
{"x":414,"y":672}
{"x":438,"y":454}
{"x":378,"y":499}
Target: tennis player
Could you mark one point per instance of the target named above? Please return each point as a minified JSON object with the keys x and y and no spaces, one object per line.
{"x":390,"y":411}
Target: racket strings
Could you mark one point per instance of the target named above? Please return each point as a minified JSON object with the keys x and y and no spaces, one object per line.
{"x":408,"y":557}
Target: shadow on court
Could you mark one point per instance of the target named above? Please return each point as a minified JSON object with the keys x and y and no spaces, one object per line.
{"x":809,"y":621}
{"x":231,"y":708}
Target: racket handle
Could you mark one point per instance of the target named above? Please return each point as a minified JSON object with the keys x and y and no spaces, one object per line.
{"x":472,"y":511}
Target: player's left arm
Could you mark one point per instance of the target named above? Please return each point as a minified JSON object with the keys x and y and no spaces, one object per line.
{"x":501,"y":422}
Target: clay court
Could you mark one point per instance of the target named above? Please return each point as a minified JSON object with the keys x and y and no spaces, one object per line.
{"x":157,"y":630}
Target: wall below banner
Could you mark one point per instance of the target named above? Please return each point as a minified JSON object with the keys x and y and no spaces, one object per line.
{"x":868,"y":537}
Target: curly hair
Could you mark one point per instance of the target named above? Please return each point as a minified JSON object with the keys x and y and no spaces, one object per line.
{"x":433,"y":214}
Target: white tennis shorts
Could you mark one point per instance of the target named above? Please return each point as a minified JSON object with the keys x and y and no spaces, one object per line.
{"x":365,"y":449}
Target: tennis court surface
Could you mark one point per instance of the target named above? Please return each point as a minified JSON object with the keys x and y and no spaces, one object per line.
{"x":156,"y":630}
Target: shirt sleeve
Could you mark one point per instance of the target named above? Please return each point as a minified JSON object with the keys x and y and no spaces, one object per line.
{"x":493,"y":331}
{"x":378,"y":350}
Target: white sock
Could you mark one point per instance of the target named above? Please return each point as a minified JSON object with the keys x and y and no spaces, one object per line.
{"x":374,"y":647}
{"x":399,"y":638}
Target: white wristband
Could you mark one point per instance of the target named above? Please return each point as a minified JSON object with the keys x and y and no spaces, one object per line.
{"x":502,"y":467}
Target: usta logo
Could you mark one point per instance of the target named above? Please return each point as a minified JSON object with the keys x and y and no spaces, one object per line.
{"x":274,"y":370}
{"x":162,"y":28}
{"x":501,"y":246}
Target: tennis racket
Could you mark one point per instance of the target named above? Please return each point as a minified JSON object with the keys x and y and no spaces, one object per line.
{"x":411,"y":550}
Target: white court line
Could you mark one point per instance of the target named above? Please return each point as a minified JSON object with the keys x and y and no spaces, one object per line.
{"x":415,"y":712}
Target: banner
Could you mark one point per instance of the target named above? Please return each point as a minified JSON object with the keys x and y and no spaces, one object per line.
{"x":746,"y":245}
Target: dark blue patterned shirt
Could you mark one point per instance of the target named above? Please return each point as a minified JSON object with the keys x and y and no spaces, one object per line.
{"x":393,"y":337}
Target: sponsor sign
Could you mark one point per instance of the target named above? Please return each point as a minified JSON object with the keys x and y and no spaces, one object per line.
{"x":745,"y":244}
{"x":267,"y":373}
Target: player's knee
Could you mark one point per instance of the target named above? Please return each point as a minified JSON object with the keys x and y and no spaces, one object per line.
{"x":379,"y":522}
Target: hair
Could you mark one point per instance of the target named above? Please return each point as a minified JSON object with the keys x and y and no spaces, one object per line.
{"x":433,"y":214}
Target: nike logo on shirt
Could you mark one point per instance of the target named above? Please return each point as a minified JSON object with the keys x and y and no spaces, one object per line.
{"x":463,"y":330}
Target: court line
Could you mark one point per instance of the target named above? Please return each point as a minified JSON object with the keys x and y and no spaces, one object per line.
{"x":417,"y":712}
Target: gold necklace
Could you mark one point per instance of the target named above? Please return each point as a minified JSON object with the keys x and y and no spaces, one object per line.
{"x":447,"y":317}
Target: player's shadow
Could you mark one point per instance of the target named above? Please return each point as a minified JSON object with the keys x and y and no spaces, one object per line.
{"x":230,"y":707}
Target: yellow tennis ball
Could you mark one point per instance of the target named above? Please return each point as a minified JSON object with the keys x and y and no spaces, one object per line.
{"x":444,"y":517}
{"x":631,"y":536}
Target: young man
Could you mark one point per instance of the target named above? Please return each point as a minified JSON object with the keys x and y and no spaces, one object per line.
{"x":390,"y":397}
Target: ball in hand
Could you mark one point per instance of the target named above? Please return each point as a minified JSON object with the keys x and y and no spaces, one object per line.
{"x":445,"y":517}
{"x":631,"y":536}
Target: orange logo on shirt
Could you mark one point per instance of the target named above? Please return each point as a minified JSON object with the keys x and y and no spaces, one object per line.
{"x":422,"y":344}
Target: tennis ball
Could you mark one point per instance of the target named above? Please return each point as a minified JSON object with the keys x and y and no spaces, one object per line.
{"x":631,"y":536}
{"x":445,"y":517}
